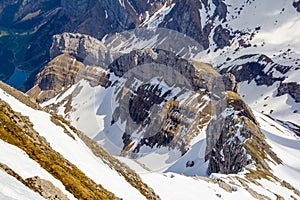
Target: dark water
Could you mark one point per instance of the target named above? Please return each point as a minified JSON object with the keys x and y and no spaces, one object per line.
{"x":18,"y":78}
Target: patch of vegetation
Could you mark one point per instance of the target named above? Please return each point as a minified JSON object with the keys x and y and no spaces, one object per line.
{"x":16,"y":44}
{"x":259,"y":149}
{"x":130,"y":176}
{"x":255,"y":194}
{"x":238,"y":104}
{"x":205,"y":67}
{"x":24,"y":137}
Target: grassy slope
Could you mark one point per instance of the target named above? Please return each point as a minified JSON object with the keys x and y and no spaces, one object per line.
{"x":22,"y":135}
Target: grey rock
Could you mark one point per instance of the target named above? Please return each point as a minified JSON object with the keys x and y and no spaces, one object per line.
{"x":296,"y":5}
{"x":234,"y":138}
{"x":291,"y":88}
{"x":222,"y":37}
{"x":251,"y":68}
{"x":84,"y":48}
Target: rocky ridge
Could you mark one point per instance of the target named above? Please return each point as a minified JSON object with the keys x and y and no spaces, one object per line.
{"x":44,"y":19}
{"x":262,"y":71}
{"x":181,"y":115}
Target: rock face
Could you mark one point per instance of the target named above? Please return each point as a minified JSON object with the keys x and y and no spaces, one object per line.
{"x":252,"y":68}
{"x":98,"y":18}
{"x":166,"y":100}
{"x":291,"y":88}
{"x":83,"y":47}
{"x":160,"y":114}
{"x":62,"y":72}
{"x":186,"y":18}
{"x":234,"y":138}
{"x":222,"y":37}
{"x":296,"y":5}
{"x":191,"y":70}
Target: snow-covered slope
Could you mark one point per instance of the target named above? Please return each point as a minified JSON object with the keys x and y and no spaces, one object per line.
{"x":284,"y":143}
{"x":14,"y":190}
{"x":271,"y":29}
{"x":96,"y":105}
{"x":67,"y":143}
{"x":232,"y":32}
{"x":164,"y":183}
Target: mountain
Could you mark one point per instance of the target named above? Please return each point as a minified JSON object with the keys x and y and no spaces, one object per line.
{"x":197,"y":95}
{"x":42,"y":152}
{"x":46,"y":157}
{"x":169,"y":113}
{"x":223,"y":32}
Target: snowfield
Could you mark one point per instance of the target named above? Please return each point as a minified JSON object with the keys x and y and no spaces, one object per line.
{"x":189,"y":179}
{"x":73,"y":150}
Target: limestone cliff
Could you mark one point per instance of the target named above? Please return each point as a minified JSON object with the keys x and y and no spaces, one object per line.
{"x":62,"y":72}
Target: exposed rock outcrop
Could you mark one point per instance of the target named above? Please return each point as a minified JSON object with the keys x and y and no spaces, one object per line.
{"x":84,"y":48}
{"x":61,"y":73}
{"x":296,"y":5}
{"x":230,"y":83}
{"x":232,"y":136}
{"x":291,"y":88}
{"x":252,"y":68}
{"x":46,"y":189}
{"x":167,"y":100}
{"x":234,"y":140}
{"x":222,"y":37}
{"x":199,"y":75}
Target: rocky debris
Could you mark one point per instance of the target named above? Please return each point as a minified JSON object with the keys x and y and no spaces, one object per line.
{"x":291,"y":88}
{"x":46,"y":189}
